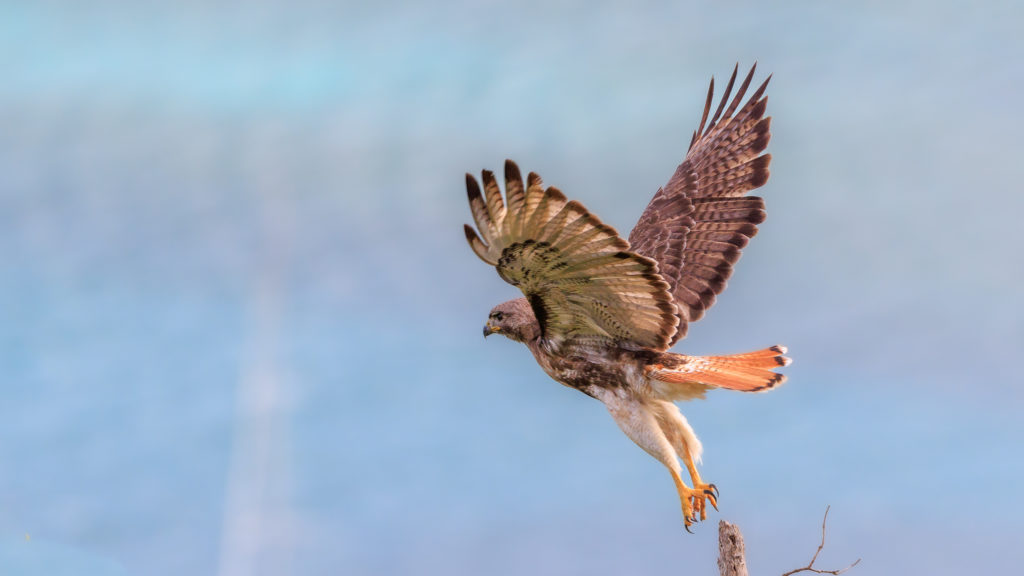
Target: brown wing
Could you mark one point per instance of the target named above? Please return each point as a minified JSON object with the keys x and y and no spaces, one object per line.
{"x":580,"y":278}
{"x":697,"y":224}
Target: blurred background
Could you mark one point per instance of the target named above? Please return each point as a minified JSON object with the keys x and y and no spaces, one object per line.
{"x":240,"y":326}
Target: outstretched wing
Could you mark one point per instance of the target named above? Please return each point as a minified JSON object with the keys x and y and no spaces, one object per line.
{"x":697,"y":224}
{"x":580,"y":278}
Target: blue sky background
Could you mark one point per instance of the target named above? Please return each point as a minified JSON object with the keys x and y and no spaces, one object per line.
{"x":240,"y":327}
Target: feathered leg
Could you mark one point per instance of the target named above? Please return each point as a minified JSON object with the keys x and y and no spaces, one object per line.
{"x":647,"y":423}
{"x":686,"y":445}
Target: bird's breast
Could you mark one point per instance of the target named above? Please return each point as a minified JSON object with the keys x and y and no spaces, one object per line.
{"x":585,"y":369}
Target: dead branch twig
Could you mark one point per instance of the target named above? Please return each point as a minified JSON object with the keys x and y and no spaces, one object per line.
{"x":810,"y":565}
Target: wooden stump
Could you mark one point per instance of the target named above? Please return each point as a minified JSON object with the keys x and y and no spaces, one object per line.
{"x":732,"y":557}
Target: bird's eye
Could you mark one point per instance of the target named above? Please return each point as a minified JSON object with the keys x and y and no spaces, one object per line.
{"x":498,"y":316}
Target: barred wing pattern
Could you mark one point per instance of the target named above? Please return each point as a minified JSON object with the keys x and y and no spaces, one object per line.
{"x":696,"y":226}
{"x":583,"y":283}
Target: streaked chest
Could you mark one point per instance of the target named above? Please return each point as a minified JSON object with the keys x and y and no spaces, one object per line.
{"x":583,"y":368}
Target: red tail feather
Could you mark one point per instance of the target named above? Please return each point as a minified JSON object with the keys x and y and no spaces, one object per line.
{"x":748,"y":372}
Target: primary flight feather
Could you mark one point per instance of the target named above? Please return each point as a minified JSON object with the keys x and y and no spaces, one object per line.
{"x":600,"y":312}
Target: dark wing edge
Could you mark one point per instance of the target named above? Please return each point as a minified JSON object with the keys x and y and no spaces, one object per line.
{"x":697,"y":224}
{"x":581,"y":279}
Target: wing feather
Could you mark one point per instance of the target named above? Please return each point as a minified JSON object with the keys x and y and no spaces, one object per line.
{"x":696,"y":225}
{"x":580,"y":277}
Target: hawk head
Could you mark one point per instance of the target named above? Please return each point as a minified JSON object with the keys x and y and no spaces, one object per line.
{"x":513,"y":319}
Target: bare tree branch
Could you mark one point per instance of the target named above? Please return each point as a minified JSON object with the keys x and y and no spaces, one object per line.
{"x":810,"y":565}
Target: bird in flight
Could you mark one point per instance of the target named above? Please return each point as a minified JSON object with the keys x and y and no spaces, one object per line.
{"x":600,"y":312}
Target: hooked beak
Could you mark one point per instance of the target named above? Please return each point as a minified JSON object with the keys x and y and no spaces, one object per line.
{"x":488,"y":329}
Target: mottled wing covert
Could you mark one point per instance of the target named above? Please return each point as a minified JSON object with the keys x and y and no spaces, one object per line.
{"x":697,"y":224}
{"x":580,"y":277}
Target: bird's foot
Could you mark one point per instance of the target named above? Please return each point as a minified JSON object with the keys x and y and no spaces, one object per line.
{"x":710,"y":491}
{"x":695,"y":502}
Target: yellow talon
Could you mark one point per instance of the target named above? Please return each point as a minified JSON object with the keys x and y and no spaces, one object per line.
{"x":694,"y":500}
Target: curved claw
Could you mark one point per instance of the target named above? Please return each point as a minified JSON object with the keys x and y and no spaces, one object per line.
{"x":711,"y":498}
{"x":687,"y":526}
{"x":715,"y":488}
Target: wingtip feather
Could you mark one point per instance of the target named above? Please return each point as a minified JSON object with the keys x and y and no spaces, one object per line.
{"x":512,"y":171}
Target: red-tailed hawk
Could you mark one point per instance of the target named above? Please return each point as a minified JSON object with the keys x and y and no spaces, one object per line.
{"x":600,"y":313}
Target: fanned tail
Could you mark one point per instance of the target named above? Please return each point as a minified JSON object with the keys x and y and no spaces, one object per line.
{"x":747,"y":372}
